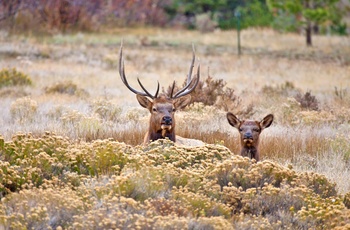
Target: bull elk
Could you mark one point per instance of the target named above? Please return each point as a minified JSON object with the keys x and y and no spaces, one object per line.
{"x":249,"y":131}
{"x":161,"y":106}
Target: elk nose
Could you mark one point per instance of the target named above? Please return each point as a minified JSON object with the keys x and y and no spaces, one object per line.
{"x":248,"y":136}
{"x":167,"y":120}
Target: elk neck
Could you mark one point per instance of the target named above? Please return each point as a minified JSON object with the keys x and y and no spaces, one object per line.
{"x":153,"y":136}
{"x":251,"y":152}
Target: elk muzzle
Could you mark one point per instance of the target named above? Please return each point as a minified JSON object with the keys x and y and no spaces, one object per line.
{"x":167,"y":122}
{"x":248,"y":135}
{"x":248,"y":139}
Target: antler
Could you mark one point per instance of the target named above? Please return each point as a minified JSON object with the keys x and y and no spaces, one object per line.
{"x":123,"y":77}
{"x":190,"y":83}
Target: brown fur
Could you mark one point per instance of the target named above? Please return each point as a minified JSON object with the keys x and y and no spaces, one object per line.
{"x":159,"y":108}
{"x":249,"y":131}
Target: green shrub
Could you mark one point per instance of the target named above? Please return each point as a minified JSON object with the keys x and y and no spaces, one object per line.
{"x":66,"y":87}
{"x":12,"y":77}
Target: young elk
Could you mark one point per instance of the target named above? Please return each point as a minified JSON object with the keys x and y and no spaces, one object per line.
{"x":162,"y":107}
{"x":249,"y":131}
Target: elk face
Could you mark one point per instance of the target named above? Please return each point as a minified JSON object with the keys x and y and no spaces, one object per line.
{"x":162,"y":107}
{"x":249,"y":131}
{"x":162,"y":111}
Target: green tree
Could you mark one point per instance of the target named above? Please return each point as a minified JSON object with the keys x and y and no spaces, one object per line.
{"x":198,"y":6}
{"x":254,"y":12}
{"x":191,"y":8}
{"x":307,"y":13}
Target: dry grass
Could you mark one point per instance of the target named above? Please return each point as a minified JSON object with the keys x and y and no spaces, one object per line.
{"x":309,"y":140}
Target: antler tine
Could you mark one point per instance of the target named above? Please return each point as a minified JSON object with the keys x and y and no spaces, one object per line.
{"x":172,"y":90}
{"x":148,"y":93}
{"x":185,"y":90}
{"x":156,"y":95}
{"x":123,"y":77}
{"x":188,"y":81}
{"x":192,"y":65}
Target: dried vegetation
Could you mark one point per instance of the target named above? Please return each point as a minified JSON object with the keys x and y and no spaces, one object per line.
{"x":70,"y":155}
{"x":52,"y":182}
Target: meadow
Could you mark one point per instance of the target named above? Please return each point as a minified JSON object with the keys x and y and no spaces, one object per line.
{"x":70,"y":148}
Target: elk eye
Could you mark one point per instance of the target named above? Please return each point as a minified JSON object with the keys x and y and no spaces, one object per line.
{"x":256,"y":130}
{"x":174,"y":109}
{"x":154,"y":110}
{"x":240,"y":129}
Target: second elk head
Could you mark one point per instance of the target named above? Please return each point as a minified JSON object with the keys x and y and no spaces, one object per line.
{"x":250,"y":131}
{"x":162,"y":106}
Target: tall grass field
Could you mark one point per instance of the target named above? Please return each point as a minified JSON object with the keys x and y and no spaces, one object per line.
{"x":71,"y":133}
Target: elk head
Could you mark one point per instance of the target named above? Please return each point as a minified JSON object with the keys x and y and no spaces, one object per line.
{"x":162,"y":107}
{"x":249,"y":131}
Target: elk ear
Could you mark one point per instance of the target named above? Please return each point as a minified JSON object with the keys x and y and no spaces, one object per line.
{"x":144,"y":102}
{"x":182,"y":102}
{"x":266,"y":121}
{"x":233,"y":120}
